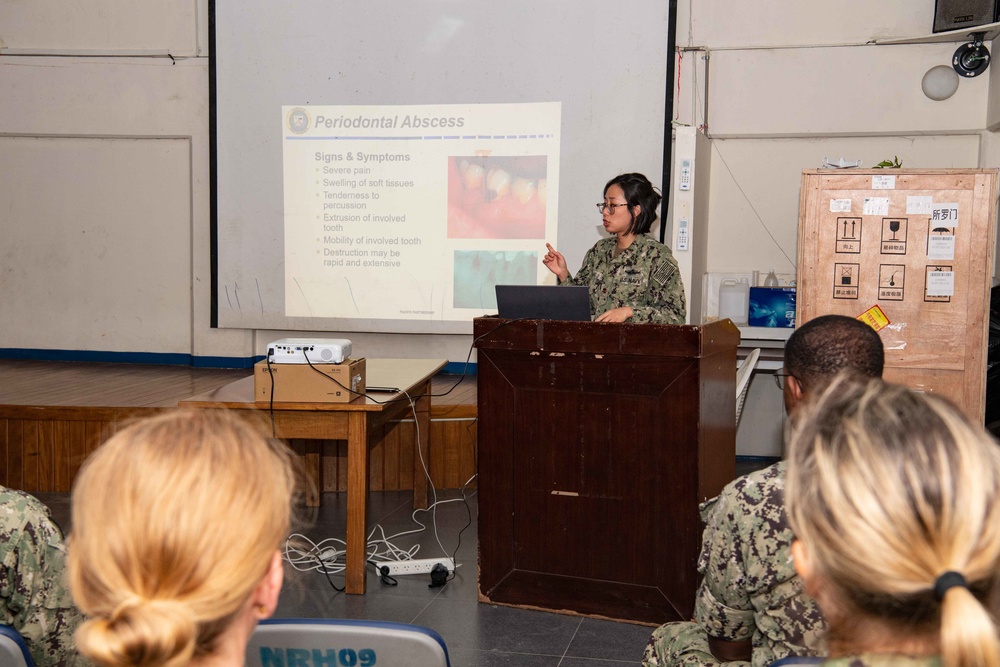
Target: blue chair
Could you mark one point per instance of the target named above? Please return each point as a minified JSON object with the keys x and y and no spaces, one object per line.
{"x":798,"y":661}
{"x":308,"y":642}
{"x":13,"y":650}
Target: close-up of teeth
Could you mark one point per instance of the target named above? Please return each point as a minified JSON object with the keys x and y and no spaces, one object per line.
{"x":473,"y":174}
{"x":497,"y":196}
{"x":497,"y":183}
{"x":523,"y":189}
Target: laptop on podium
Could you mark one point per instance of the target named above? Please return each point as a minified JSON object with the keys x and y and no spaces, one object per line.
{"x":544,"y":302}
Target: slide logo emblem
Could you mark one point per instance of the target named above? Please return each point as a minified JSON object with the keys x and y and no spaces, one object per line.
{"x":298,"y":120}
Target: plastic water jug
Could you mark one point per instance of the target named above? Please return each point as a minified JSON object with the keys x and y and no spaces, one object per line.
{"x":734,"y":300}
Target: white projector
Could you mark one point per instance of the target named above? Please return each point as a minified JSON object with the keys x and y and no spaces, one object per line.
{"x":309,"y":350}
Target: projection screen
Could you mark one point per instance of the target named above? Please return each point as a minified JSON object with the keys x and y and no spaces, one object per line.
{"x":380,"y":166}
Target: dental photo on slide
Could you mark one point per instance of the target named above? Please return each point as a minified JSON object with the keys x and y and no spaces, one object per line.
{"x":497,"y":197}
{"x":478,"y":272}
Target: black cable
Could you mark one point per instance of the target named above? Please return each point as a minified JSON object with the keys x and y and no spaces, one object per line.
{"x":322,"y":566}
{"x":454,"y":554}
{"x":405,"y":397}
{"x":383,"y":574}
{"x":339,"y":384}
{"x":270,"y":405}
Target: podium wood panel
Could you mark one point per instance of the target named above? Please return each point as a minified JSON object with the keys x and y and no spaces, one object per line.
{"x":597,"y":442}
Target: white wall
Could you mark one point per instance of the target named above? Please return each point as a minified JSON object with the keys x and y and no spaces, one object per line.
{"x":779,"y":85}
{"x":104,"y":149}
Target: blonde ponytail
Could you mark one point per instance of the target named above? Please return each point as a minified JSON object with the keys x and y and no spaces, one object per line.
{"x":176,"y":519}
{"x":140,"y":634}
{"x":897,"y":499}
{"x":968,"y":633}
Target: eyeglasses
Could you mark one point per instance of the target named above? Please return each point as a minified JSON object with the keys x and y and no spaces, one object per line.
{"x":611,"y":207}
{"x":779,"y":379}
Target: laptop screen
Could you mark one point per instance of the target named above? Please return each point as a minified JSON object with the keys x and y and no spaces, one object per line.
{"x":544,"y":302}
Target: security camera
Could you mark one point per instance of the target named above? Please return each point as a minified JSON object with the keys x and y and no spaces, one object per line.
{"x":973,"y":58}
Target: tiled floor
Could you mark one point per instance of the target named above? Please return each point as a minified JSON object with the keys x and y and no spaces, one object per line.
{"x":476,"y":634}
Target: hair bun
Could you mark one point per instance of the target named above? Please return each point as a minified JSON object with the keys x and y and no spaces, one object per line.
{"x":140,"y":632}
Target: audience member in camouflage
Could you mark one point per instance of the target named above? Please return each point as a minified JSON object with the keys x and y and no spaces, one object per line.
{"x":34,"y":592}
{"x":631,"y":277}
{"x":750,"y":590}
{"x":751,"y":607}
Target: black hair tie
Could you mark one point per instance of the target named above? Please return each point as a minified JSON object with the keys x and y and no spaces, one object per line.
{"x":948,"y":580}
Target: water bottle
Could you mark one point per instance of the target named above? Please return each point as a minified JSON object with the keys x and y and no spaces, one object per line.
{"x":734,"y":301}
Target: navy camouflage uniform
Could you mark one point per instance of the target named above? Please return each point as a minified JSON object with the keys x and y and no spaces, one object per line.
{"x":644,"y":276}
{"x":34,"y":591}
{"x":750,"y":589}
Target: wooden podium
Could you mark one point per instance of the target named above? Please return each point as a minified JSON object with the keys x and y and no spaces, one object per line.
{"x":596,"y":444}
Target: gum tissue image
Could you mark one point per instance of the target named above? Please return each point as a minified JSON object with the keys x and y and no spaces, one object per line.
{"x":497,"y":197}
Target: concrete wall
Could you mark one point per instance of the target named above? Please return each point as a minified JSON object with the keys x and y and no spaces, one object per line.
{"x":104,"y":149}
{"x":779,"y":85}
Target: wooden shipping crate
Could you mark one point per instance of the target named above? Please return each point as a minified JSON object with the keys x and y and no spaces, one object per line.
{"x":911,"y":252}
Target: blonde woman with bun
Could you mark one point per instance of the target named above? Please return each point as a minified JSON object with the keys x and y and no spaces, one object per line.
{"x":173,"y":555}
{"x":894,"y":498}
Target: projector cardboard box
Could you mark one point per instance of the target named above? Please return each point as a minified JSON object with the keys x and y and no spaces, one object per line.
{"x":300,"y":383}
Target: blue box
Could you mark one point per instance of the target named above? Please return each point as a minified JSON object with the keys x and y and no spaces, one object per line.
{"x":772,"y":307}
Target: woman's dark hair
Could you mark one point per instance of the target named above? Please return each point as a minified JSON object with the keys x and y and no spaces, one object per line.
{"x":638,"y":192}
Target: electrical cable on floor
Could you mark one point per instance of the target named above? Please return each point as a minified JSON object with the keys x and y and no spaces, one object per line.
{"x":327,"y":573}
{"x":303,"y":554}
{"x":325,"y":558}
{"x":383,"y":574}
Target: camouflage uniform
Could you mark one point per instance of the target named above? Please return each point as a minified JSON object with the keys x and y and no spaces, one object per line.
{"x":644,"y":276}
{"x":34,"y":596}
{"x":749,"y":589}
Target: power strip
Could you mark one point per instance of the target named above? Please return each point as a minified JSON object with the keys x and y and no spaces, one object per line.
{"x":415,"y":566}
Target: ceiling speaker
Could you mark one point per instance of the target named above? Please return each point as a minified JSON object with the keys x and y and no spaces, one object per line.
{"x":957,"y":14}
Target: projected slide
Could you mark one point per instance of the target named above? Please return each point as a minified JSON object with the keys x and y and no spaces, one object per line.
{"x":415,"y":212}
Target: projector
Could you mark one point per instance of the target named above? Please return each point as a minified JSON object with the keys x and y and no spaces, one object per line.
{"x":309,"y":350}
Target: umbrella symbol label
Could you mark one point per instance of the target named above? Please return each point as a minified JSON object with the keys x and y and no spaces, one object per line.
{"x":941,"y":242}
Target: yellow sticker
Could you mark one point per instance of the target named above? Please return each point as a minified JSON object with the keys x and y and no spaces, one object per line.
{"x":875,"y":318}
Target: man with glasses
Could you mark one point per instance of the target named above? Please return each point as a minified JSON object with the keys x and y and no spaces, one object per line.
{"x":750,"y":607}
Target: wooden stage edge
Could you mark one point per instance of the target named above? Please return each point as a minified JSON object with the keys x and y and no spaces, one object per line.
{"x":54,"y":414}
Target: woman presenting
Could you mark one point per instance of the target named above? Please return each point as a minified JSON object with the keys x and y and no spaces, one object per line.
{"x":631,"y":277}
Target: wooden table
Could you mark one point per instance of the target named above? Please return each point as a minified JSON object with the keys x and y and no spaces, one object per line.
{"x":353,"y":422}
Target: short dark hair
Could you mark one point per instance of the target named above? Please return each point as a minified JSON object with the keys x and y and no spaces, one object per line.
{"x":640,"y":192}
{"x":822,"y":347}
